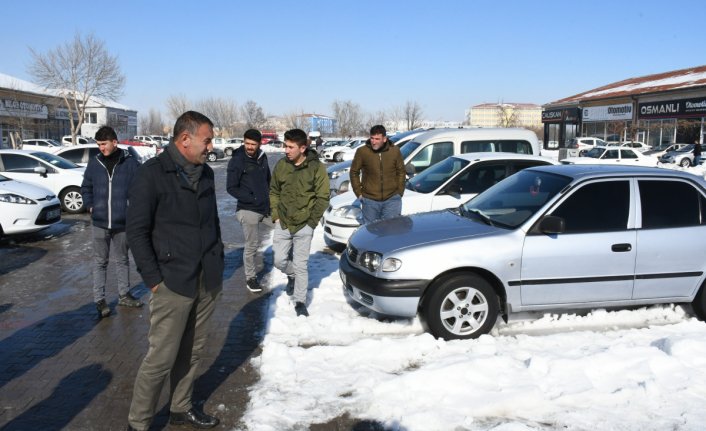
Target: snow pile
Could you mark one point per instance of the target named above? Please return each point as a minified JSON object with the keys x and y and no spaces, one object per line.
{"x":630,"y":370}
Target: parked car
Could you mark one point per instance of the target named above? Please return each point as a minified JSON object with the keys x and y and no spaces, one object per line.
{"x":26,"y":208}
{"x":146,"y":150}
{"x":47,"y":145}
{"x":548,"y":238}
{"x":431,"y":146}
{"x":447,"y":184}
{"x":149,"y":140}
{"x":683,"y":157}
{"x":335,"y":153}
{"x":215,"y":154}
{"x":636,"y":145}
{"x":663,"y":148}
{"x":66,"y":140}
{"x":349,"y":153}
{"x":62,"y":177}
{"x":268,"y":136}
{"x":227,"y":145}
{"x":82,"y":153}
{"x":612,"y":155}
{"x":578,"y":147}
{"x":276,"y":143}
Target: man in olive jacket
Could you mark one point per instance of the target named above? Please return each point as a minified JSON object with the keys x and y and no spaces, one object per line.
{"x":383,"y":176}
{"x":299,"y":195}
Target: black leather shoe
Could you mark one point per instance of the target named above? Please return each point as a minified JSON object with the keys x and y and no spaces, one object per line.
{"x":194,"y":418}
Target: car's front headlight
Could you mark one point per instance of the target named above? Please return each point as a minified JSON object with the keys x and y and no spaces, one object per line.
{"x":12,"y":198}
{"x":372,"y":260}
{"x":335,"y":174}
{"x":348,"y":211}
{"x":343,"y":187}
{"x":391,"y":264}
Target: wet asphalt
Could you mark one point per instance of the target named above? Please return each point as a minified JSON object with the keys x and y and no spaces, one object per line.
{"x":61,"y":367}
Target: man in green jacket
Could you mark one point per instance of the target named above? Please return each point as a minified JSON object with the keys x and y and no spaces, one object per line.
{"x":299,"y":195}
{"x":378,"y":177}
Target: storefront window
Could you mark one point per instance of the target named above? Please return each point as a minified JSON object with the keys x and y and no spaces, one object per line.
{"x":552,"y":136}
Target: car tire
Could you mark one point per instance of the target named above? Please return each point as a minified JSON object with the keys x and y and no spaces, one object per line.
{"x":699,"y":303}
{"x":338,"y":157}
{"x":71,"y":200}
{"x":229,"y":152}
{"x":212,"y":157}
{"x":685,"y":162}
{"x":446,"y":311}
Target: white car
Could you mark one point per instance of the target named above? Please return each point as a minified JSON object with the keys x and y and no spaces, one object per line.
{"x":580,"y":146}
{"x":349,"y":153}
{"x":82,"y":153}
{"x":639,"y":146}
{"x":227,"y":145}
{"x":62,"y":177}
{"x":612,"y":155}
{"x":47,"y":145}
{"x":335,"y":153}
{"x":447,"y":184}
{"x":26,"y":208}
{"x":66,"y":140}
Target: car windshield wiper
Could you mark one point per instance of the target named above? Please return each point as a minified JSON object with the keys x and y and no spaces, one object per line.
{"x":479,"y":214}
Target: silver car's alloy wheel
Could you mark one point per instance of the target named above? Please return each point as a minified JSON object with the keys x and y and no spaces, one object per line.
{"x":212,"y":157}
{"x":685,"y":162}
{"x":463,"y":311}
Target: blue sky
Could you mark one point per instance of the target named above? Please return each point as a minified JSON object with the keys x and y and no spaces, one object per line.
{"x":303,"y":55}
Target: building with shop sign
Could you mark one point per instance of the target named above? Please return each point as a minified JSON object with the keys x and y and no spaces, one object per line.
{"x":29,"y":111}
{"x":654,"y":109}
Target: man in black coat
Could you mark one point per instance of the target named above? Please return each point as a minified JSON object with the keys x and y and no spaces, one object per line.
{"x":175,"y":237}
{"x":104,"y":189}
{"x":248,"y":181}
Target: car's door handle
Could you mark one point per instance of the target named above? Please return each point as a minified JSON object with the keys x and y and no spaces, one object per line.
{"x":621,"y":247}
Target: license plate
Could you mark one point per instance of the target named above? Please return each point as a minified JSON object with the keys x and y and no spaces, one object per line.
{"x":51,"y":215}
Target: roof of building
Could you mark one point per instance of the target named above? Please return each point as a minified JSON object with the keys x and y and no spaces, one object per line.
{"x":17,"y":84}
{"x":660,"y":82}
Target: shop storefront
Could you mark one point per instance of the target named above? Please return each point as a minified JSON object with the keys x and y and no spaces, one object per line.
{"x":676,"y":120}
{"x":608,"y":122}
{"x":560,"y":126}
{"x":25,"y":116}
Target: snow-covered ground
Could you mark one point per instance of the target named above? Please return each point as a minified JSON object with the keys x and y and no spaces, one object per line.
{"x":641,"y":369}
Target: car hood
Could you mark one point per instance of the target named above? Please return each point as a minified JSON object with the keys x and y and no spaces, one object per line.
{"x":407,"y":231}
{"x":23,"y":189}
{"x":342,"y":200}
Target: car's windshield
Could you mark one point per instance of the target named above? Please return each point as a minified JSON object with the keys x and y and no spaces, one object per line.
{"x":57,"y":161}
{"x":595,"y":152}
{"x":408,"y":148}
{"x":432,"y":178}
{"x":515,"y":199}
{"x":396,"y":137}
{"x":52,"y":143}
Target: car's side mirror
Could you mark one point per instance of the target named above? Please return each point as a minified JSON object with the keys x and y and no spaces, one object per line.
{"x":410,"y":170}
{"x":41,"y":170}
{"x":552,"y":225}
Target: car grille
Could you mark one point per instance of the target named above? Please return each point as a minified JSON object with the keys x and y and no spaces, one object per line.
{"x":49,"y":215}
{"x":365,"y":298}
{"x":352,"y":254}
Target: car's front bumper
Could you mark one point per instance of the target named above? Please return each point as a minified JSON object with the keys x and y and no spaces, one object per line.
{"x":389,"y":297}
{"x":338,"y":229}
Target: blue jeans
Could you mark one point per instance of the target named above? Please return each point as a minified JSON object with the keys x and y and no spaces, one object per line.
{"x":381,"y":210}
{"x":697,"y":160}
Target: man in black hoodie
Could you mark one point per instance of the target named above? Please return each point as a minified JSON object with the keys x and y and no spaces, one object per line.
{"x":248,"y":181}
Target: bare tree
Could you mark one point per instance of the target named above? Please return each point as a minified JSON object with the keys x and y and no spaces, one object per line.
{"x":412,"y":114}
{"x":349,"y":117}
{"x":152,"y":124}
{"x":177,"y":104}
{"x":77,"y":71}
{"x":253,"y":116}
{"x":295,"y":119}
{"x":507,"y":115}
{"x":223,"y":113}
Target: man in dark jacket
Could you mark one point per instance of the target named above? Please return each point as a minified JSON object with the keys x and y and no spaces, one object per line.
{"x":299,"y":195}
{"x":175,"y":237}
{"x":248,"y":181}
{"x":378,"y":177}
{"x":104,"y":189}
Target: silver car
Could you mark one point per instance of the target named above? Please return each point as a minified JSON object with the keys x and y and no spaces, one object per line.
{"x":546,"y":238}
